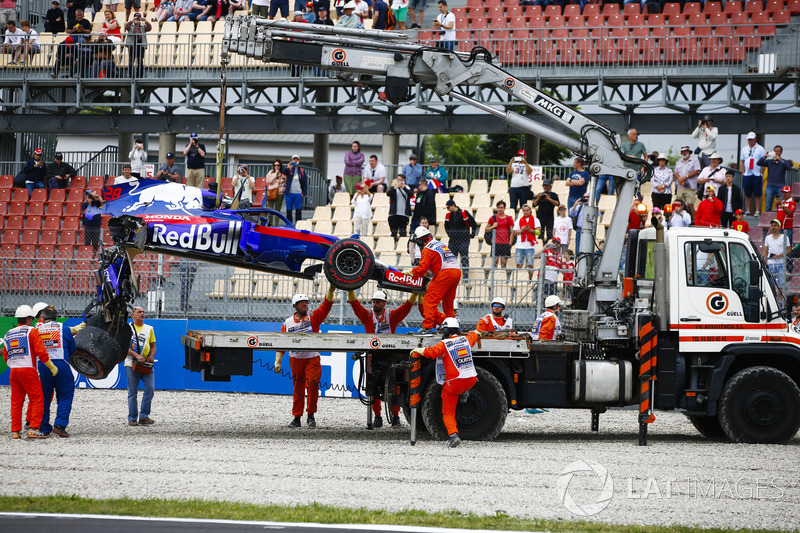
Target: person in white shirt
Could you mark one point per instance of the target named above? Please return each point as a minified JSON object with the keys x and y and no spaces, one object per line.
{"x":127,"y":176}
{"x":243,"y":180}
{"x":13,"y":39}
{"x":752,"y":181}
{"x":520,"y":184}
{"x":375,"y":174}
{"x":526,"y":229}
{"x":686,"y":170}
{"x":706,"y":134}
{"x":680,"y":218}
{"x":400,"y":8}
{"x":138,"y":157}
{"x":776,"y":250}
{"x":446,"y":24}
{"x":361,"y":10}
{"x":30,"y":43}
{"x":713,"y":174}
{"x":562,"y":226}
{"x":362,"y":213}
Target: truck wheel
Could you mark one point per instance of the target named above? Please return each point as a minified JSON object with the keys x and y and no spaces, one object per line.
{"x":708,"y":426}
{"x":481,"y":418}
{"x":96,"y":353}
{"x":349,"y":264}
{"x":760,"y":405}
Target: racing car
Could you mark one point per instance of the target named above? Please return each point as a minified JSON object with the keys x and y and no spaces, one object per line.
{"x":175,"y":219}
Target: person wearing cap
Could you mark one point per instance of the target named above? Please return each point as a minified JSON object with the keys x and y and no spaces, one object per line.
{"x":776,"y":174}
{"x":752,"y":182}
{"x":578,"y":182}
{"x":785,"y":214}
{"x":353,"y":161}
{"x":709,"y":210}
{"x":60,"y":345}
{"x":336,"y":185}
{"x":658,"y":215}
{"x":706,"y":134}
{"x":22,"y":346}
{"x":461,"y":228}
{"x":374,"y":174}
{"x":35,"y":172}
{"x":553,"y":262}
{"x":520,"y":184}
{"x":413,"y":172}
{"x":495,"y":321}
{"x":776,"y":250}
{"x":526,"y":229}
{"x":195,"y":153}
{"x":142,"y":349}
{"x":686,"y":170}
{"x":296,"y":188}
{"x":349,"y":19}
{"x":322,"y":17}
{"x":739,"y":223}
{"x":243,"y":184}
{"x":436,"y":175}
{"x":545,"y":203}
{"x":169,"y":171}
{"x":713,"y":174}
{"x":731,"y":197}
{"x":547,"y":326}
{"x":60,"y":173}
{"x":138,"y":157}
{"x":305,"y":366}
{"x":662,"y":182}
{"x":399,"y":207}
{"x":380,"y":320}
{"x":308,"y":13}
{"x":680,"y":217}
{"x":298,"y":17}
{"x":54,"y":21}
{"x":136,"y":40}
{"x":562,"y":228}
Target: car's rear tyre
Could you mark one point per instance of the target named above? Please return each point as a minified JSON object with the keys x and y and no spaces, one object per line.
{"x":349,"y":264}
{"x":96,"y":353}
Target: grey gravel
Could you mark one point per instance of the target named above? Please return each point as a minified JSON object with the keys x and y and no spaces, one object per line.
{"x":236,"y":447}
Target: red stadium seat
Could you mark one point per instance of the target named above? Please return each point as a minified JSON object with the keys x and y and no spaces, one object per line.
{"x":632,"y":9}
{"x":53,"y":209}
{"x":17,"y":208}
{"x":676,"y":21}
{"x":765,"y":30}
{"x":71,"y":224}
{"x":781,"y":17}
{"x":68,"y":237}
{"x":493,"y":3}
{"x":6,"y":182}
{"x":595,"y":21}
{"x":75,"y":195}
{"x":58,"y":195}
{"x":610,"y":10}
{"x":732,"y":7}
{"x":8,"y":251}
{"x":96,"y":183}
{"x":696,"y":20}
{"x":47,"y":251}
{"x":590,"y":10}
{"x":15,"y":222}
{"x":753,"y":6}
{"x":72,"y":209}
{"x":620,"y":33}
{"x":710,"y":8}
{"x":29,"y":237}
{"x":49,"y":237}
{"x":28,"y":250}
{"x":22,"y":274}
{"x":3,"y":209}
{"x":572,"y":10}
{"x":690,"y":8}
{"x":33,"y":222}
{"x":5,"y":195}
{"x":761,"y":17}
{"x":552,"y":11}
{"x":65,"y":252}
{"x":11,"y":236}
{"x":739,"y":19}
{"x":656,"y":21}
{"x":556,"y":21}
{"x":615,"y":20}
{"x":84,"y":252}
{"x":78,"y":182}
{"x":537,"y":22}
{"x":39,"y":195}
{"x":536,"y":11}
{"x":703,"y":31}
{"x":21,"y":195}
{"x":718,"y":20}
{"x":576,"y":21}
{"x":516,"y":11}
{"x":36,"y":208}
{"x":518,"y":22}
{"x":793,"y":7}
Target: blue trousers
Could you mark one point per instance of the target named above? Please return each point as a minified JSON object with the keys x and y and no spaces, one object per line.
{"x":149,"y":382}
{"x":773,"y":193}
{"x":601,"y":179}
{"x":64,"y":385}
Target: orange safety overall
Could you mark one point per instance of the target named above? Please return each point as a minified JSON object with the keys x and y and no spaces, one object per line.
{"x":23,"y":346}
{"x":437,"y":258}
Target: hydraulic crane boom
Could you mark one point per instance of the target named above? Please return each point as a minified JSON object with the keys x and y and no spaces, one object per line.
{"x":378,"y":53}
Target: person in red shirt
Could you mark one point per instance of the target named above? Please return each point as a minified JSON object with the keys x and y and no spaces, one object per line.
{"x":495,"y":321}
{"x":709,"y":211}
{"x":22,"y":346}
{"x":638,"y":215}
{"x":381,"y":320}
{"x":502,"y":226}
{"x":437,"y":258}
{"x":739,"y":223}
{"x":786,"y":213}
{"x":306,"y":367}
{"x":455,"y":371}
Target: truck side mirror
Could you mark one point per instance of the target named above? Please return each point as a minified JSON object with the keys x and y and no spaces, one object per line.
{"x":755,"y":272}
{"x":754,"y":293}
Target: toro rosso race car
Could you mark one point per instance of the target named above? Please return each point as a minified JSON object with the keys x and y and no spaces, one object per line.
{"x":174,"y":219}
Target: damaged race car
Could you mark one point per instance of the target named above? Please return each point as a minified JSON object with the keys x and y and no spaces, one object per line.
{"x":174,"y":219}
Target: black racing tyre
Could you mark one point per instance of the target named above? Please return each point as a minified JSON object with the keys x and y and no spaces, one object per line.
{"x":96,"y":353}
{"x":708,"y":426}
{"x":482,"y":417}
{"x":119,"y":329}
{"x":349,"y":264}
{"x":760,"y":405}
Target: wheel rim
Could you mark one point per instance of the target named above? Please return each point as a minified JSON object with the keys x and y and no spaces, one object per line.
{"x":83,"y":365}
{"x":349,"y":262}
{"x":764,"y":407}
{"x":473,"y":411}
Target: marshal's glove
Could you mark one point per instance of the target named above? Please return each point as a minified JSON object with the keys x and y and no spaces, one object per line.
{"x":413,"y":298}
{"x":419,"y":351}
{"x":329,"y":296}
{"x":278,"y":359}
{"x":53,"y":369}
{"x":351,"y":296}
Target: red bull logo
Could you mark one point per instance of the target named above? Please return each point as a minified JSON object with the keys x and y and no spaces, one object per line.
{"x":403,"y":279}
{"x":201,"y":237}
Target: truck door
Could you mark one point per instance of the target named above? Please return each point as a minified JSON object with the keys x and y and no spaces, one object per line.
{"x":713,"y":308}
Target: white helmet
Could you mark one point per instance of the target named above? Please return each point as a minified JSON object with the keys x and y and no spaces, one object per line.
{"x":498,"y":300}
{"x":24,"y":311}
{"x":38,"y":308}
{"x":379,"y":295}
{"x":450,"y":323}
{"x":299,"y":298}
{"x":421,"y":232}
{"x":552,"y":301}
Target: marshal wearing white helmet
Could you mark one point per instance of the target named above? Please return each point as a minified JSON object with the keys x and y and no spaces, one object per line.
{"x":547,"y":326}
{"x":381,"y":320}
{"x":495,"y":321}
{"x":306,"y":367}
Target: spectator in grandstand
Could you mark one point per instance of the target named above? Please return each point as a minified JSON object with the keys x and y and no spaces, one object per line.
{"x":112,"y":28}
{"x":706,"y":134}
{"x":502,"y":226}
{"x":305,"y":366}
{"x":336,"y":185}
{"x":576,"y":213}
{"x":308,"y":13}
{"x":399,"y":206}
{"x":169,"y":171}
{"x":520,"y":184}
{"x":181,"y":9}
{"x":320,"y":3}
{"x":461,"y":228}
{"x":545,"y":204}
{"x":662,"y":182}
{"x":362,"y":200}
{"x":141,"y":350}
{"x":379,"y":14}
{"x":633,"y":148}
{"x":236,"y":5}
{"x":73,"y":6}
{"x":138,"y":158}
{"x":361,"y":10}
{"x":353,"y":161}
{"x":786,"y":211}
{"x":424,"y":205}
{"x":219,"y":10}
{"x":413,"y":172}
{"x":201,"y":10}
{"x":276,"y":186}
{"x":103,"y":57}
{"x":59,"y":173}
{"x":187,"y":269}
{"x":714,"y":174}
{"x":553,"y":257}
{"x":568,"y":274}
{"x":70,"y":53}
{"x":259,"y":8}
{"x":350,"y":19}
{"x":686,"y":170}
{"x":136,"y":5}
{"x":709,"y":210}
{"x":195,"y":153}
{"x":279,"y":5}
{"x":126,"y":177}
{"x":578,"y":181}
{"x":136,"y":41}
{"x":78,"y":24}
{"x":526,"y":229}
{"x":30,"y":44}
{"x":776,"y":174}
{"x":374,"y":175}
{"x":680,"y":217}
{"x":776,"y":247}
{"x":400,"y":8}
{"x":732,"y":199}
{"x":445,"y":24}
{"x":111,"y":5}
{"x":244,"y":182}
{"x":163,"y":11}
{"x":751,"y":153}
{"x":638,"y":215}
{"x":35,"y":172}
{"x":296,"y":188}
{"x":13,"y":39}
{"x":438,"y":173}
{"x":322,"y":17}
{"x":414,"y":250}
{"x":54,"y":19}
{"x":739,"y":223}
{"x":91,"y":223}
{"x":562,"y":226}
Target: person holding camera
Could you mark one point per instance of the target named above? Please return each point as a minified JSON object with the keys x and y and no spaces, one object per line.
{"x":35,"y":172}
{"x":296,"y":188}
{"x":195,"y":153}
{"x":136,"y":41}
{"x":545,"y":203}
{"x":138,"y":157}
{"x":520,"y":184}
{"x":710,"y":210}
{"x":169,"y":171}
{"x":776,"y":174}
{"x":59,"y":173}
{"x":244,"y":182}
{"x":91,"y":223}
{"x":445,"y":23}
{"x":706,"y":134}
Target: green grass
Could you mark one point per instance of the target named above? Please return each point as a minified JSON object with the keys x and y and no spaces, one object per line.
{"x":314,"y":513}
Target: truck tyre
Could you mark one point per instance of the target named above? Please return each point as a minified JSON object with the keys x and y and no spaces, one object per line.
{"x":481,"y":418}
{"x":760,"y":405}
{"x":708,"y":426}
{"x":96,"y":353}
{"x":349,"y":264}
